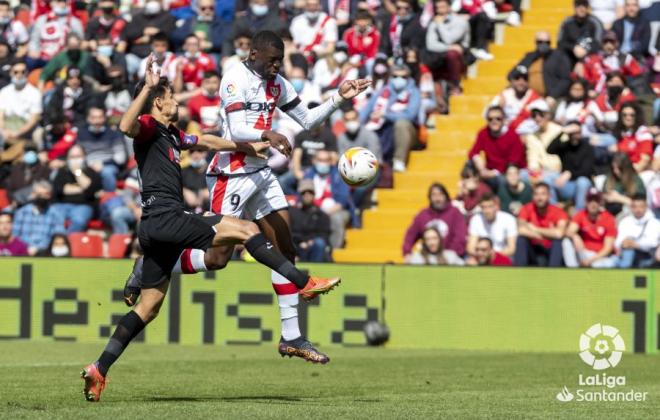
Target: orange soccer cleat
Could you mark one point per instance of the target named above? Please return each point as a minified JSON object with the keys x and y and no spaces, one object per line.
{"x":318,"y":286}
{"x":94,"y":382}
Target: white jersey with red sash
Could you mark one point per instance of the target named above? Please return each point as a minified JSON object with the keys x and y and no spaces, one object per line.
{"x":53,"y":35}
{"x":307,"y":36}
{"x":243,"y":89}
{"x":399,"y":104}
{"x":515,"y":109}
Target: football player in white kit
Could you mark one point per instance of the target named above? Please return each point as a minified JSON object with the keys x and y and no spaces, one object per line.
{"x":245,"y":187}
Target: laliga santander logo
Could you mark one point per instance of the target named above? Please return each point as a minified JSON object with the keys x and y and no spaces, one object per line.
{"x":601,"y":347}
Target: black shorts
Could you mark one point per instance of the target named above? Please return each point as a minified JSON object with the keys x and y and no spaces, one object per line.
{"x":164,"y":236}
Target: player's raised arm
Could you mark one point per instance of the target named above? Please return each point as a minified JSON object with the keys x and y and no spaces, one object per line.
{"x":309,"y":118}
{"x":129,"y":124}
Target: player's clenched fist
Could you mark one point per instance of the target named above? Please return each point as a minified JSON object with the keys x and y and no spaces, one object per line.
{"x":278,"y":141}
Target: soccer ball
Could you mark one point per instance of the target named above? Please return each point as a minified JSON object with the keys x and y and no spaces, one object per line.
{"x":358,"y":166}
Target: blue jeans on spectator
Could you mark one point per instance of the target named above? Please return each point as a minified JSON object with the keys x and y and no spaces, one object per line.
{"x":109,"y":176}
{"x":78,"y":214}
{"x":132,"y":65}
{"x":35,"y":63}
{"x":601,"y":152}
{"x":117,"y":215}
{"x":575,"y":190}
{"x":316,"y":252}
{"x":499,"y":181}
{"x":537,"y":255}
{"x":632,"y":258}
{"x":288,"y":183}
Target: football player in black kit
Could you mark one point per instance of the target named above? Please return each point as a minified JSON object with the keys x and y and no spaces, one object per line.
{"x":165,"y":229}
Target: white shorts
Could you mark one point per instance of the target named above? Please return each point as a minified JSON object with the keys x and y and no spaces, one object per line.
{"x":247,"y":196}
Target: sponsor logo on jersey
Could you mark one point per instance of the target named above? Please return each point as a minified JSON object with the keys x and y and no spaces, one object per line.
{"x":231,"y":89}
{"x":260,"y":106}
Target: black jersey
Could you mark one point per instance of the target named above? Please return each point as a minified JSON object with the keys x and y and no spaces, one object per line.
{"x":158,"y":154}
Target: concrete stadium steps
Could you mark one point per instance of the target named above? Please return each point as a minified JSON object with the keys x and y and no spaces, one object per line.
{"x":384,"y":227}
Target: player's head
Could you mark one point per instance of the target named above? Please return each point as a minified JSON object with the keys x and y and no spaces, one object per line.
{"x":160,"y":101}
{"x":438,"y":196}
{"x":483,"y":251}
{"x":638,"y":206}
{"x":541,"y":196}
{"x":267,"y":54}
{"x":432,"y":241}
{"x":489,"y":205}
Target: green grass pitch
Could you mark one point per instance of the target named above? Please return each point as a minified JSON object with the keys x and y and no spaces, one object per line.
{"x":41,"y":380}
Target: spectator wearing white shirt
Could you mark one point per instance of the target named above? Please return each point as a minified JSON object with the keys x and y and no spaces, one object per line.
{"x":607,"y":11}
{"x":306,"y":90}
{"x":166,"y":60}
{"x":20,"y":111}
{"x":492,"y":223}
{"x":638,"y":237}
{"x":314,"y":32}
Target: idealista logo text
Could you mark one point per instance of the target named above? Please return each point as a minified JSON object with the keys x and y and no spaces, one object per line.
{"x":601,"y":347}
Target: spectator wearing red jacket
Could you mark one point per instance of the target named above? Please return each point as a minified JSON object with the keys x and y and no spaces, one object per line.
{"x":485,"y":255}
{"x":363,"y":37}
{"x":205,"y":105}
{"x":634,"y":138}
{"x":501,"y":147}
{"x":597,"y":66}
{"x":590,"y":236}
{"x":192,"y":65}
{"x":541,"y":227}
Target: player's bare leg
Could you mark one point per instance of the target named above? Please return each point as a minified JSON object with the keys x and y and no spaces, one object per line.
{"x":130,"y":325}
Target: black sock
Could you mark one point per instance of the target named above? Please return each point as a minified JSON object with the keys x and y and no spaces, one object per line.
{"x":129,"y":326}
{"x":264,"y":252}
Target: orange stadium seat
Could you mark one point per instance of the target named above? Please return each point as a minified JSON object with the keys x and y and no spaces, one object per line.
{"x":118,"y":244}
{"x":84,"y":245}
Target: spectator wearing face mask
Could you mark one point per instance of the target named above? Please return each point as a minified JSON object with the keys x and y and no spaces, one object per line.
{"x":73,"y":97}
{"x":72,"y":56}
{"x":310,"y":226}
{"x":108,"y":24}
{"x":118,"y":98}
{"x":332,"y":195}
{"x":35,"y":223}
{"x":258,"y":17}
{"x":307,"y":91}
{"x":604,"y":110}
{"x":548,"y":69}
{"x":432,"y":250}
{"x":75,"y":187}
{"x":579,"y":26}
{"x":515,"y":101}
{"x":574,"y":107}
{"x":195,"y":191}
{"x":539,"y":162}
{"x":165,"y":59}
{"x":49,"y":33}
{"x":363,"y":37}
{"x":515,"y":192}
{"x":633,"y":30}
{"x":314,"y":32}
{"x":10,"y":245}
{"x":145,"y":24}
{"x":6,"y":60}
{"x":23,"y":174}
{"x":330,"y":71}
{"x":59,"y":247}
{"x":596,"y":66}
{"x":104,"y":147}
{"x":20,"y":112}
{"x":485,"y":255}
{"x":12,"y":30}
{"x":401,"y":29}
{"x":204,"y":106}
{"x":392,"y":112}
{"x":380,"y":74}
{"x":242,"y":44}
{"x":191,"y":66}
{"x":207,"y":25}
{"x":102,"y":60}
{"x":440,"y":213}
{"x":638,"y":237}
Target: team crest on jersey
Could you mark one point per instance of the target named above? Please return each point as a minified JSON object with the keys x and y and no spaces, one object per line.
{"x":231,"y":89}
{"x":274,"y":91}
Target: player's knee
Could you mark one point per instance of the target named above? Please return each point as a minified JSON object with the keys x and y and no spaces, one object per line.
{"x":249,"y":229}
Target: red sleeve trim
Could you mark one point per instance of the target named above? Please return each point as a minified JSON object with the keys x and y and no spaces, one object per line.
{"x":147,"y":129}
{"x":236,"y":106}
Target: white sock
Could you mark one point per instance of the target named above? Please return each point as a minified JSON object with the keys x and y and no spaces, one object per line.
{"x":190,"y":261}
{"x":287,"y":297}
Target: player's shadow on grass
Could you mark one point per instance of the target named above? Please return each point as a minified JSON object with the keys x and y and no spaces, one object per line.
{"x":264,"y":399}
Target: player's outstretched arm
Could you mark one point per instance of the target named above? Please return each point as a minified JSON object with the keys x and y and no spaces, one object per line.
{"x":309,"y":118}
{"x":221,"y":144}
{"x":129,"y":124}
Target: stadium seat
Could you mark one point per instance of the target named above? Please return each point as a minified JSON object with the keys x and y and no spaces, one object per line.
{"x":85,"y":245}
{"x":118,"y":244}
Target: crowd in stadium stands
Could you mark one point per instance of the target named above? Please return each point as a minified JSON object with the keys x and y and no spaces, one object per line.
{"x":566,"y":171}
{"x":574,"y":133}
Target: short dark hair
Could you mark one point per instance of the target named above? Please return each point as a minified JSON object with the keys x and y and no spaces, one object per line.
{"x":495,"y":108}
{"x":439,"y":186}
{"x":210,"y":73}
{"x":364,"y":15}
{"x":265,"y":39}
{"x":95,"y":106}
{"x":159,"y":91}
{"x":488,"y":196}
{"x":639,"y":197}
{"x":160,"y":36}
{"x":242,"y":34}
{"x":190,"y":35}
{"x":17,"y":61}
{"x":542,"y":185}
{"x":6,"y":213}
{"x":486,"y":239}
{"x":5,"y":3}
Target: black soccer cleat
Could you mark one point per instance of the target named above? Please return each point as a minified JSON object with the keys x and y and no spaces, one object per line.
{"x":132,"y":287}
{"x":301,"y":347}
